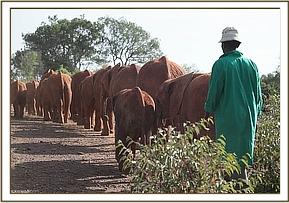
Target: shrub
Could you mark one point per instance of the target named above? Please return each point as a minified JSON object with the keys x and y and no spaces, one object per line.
{"x":265,"y":173}
{"x":184,"y":164}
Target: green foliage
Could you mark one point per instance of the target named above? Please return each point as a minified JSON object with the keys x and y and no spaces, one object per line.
{"x":270,"y":84}
{"x":266,"y":169}
{"x":65,"y":70}
{"x":184,"y":164}
{"x":190,"y":68}
{"x":26,"y":65}
{"x":62,"y":41}
{"x":126,"y":42}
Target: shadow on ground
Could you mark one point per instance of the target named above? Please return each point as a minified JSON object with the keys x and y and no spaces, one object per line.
{"x":62,"y":177}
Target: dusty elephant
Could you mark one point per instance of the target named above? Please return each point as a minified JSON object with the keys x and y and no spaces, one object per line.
{"x":194,"y":98}
{"x":154,"y":73}
{"x":56,"y":96}
{"x":115,"y":80}
{"x":31,"y":96}
{"x":182,"y":99}
{"x":99,"y":99}
{"x":134,"y":111}
{"x":38,"y":105}
{"x":87,"y":101}
{"x":18,"y":97}
{"x":76,"y":79}
{"x":38,"y":94}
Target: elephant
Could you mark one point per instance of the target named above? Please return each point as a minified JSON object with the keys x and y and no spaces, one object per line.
{"x":182,"y":99}
{"x":116,"y":79}
{"x":38,"y":95}
{"x":154,"y":73}
{"x":99,"y":100}
{"x":87,"y":101}
{"x":18,"y":93}
{"x":30,"y":96}
{"x":134,"y":111}
{"x":55,"y":94}
{"x":194,"y":98}
{"x":45,"y":99}
{"x":76,"y":79}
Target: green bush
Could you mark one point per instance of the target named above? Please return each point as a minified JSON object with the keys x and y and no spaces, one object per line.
{"x":265,"y":172}
{"x":184,"y":164}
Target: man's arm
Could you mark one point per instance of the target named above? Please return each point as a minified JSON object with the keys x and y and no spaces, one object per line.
{"x":215,"y":87}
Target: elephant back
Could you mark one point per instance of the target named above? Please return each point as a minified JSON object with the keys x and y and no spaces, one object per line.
{"x":154,"y":73}
{"x":125,"y":79}
{"x":179,"y":86}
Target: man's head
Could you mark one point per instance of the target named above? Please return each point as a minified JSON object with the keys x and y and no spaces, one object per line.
{"x":230,"y":39}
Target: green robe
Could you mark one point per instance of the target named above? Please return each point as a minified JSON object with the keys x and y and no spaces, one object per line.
{"x":234,"y":97}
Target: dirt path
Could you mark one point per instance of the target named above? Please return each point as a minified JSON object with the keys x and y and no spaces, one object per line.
{"x":62,"y":158}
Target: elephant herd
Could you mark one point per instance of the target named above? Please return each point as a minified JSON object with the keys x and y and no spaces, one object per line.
{"x":128,"y":100}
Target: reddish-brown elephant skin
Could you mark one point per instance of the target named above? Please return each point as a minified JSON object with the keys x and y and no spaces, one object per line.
{"x":134,"y":111}
{"x":87,"y":101}
{"x":46,"y":101}
{"x":99,"y":99}
{"x":113,"y":81}
{"x":194,"y":98}
{"x":154,"y":73}
{"x":38,"y":96}
{"x":56,"y":96}
{"x":182,"y":99}
{"x":18,"y":98}
{"x":76,"y":79}
{"x":30,"y":96}
{"x":39,"y":108}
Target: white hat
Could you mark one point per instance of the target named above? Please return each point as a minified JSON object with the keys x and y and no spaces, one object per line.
{"x":229,"y":34}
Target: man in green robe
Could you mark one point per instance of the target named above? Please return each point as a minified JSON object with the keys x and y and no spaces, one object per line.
{"x":234,"y":97}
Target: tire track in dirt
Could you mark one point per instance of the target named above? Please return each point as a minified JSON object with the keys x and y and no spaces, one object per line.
{"x":50,"y":158}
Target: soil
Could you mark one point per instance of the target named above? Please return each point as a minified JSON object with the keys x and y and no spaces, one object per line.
{"x":50,"y":158}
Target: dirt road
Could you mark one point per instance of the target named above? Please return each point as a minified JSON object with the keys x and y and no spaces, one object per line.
{"x":62,"y":158}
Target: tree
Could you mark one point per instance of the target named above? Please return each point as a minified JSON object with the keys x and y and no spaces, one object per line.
{"x":126,"y":42}
{"x":65,"y":42}
{"x":26,"y":65}
{"x":190,"y":68}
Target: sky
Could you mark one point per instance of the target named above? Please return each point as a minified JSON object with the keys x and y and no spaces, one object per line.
{"x":187,"y":36}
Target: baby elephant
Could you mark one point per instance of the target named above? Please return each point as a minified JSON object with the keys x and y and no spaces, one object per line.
{"x":135,"y":117}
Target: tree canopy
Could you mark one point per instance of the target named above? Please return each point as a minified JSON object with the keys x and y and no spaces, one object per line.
{"x":26,"y":65}
{"x":64,"y":42}
{"x":125,"y":42}
{"x":76,"y":44}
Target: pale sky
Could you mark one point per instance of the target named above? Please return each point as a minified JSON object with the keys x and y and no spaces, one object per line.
{"x":187,"y":36}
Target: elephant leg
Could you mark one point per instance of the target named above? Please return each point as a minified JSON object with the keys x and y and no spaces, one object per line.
{"x":15,"y":107}
{"x":46,"y":114}
{"x":105,"y":130}
{"x":80,"y":119}
{"x":86,"y":118}
{"x":33,"y":108}
{"x":65,"y":112}
{"x":59,"y":112}
{"x":97,"y":120}
{"x":120,"y":135}
{"x":21,"y":108}
{"x":110,"y":115}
